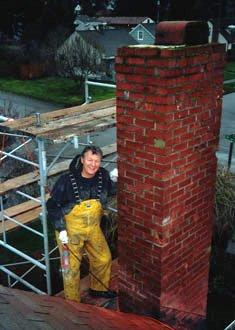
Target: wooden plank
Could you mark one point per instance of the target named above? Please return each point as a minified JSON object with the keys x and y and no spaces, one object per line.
{"x":23,"y":207}
{"x":32,"y":177}
{"x":18,"y":182}
{"x":62,"y":128}
{"x":24,"y":218}
{"x":18,"y":124}
{"x":63,"y":134}
{"x":24,"y":213}
{"x":109,"y":149}
{"x":78,"y":120}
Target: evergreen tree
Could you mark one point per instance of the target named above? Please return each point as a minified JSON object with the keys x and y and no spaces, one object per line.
{"x":36,"y":18}
{"x":93,"y":7}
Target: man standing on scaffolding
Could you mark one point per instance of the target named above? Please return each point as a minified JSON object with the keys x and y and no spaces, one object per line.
{"x":75,"y":209}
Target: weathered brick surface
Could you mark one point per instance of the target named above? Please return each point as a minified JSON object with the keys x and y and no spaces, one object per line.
{"x":168,"y":119}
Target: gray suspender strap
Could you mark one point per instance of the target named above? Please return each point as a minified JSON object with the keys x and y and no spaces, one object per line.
{"x":100,"y":184}
{"x":75,"y":188}
{"x":76,"y":191}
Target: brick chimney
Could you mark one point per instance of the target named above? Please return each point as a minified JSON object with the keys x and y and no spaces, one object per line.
{"x":168,"y":119}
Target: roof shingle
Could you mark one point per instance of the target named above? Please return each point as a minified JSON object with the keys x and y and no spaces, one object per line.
{"x":108,"y":40}
{"x":122,"y":20}
{"x":26,"y":310}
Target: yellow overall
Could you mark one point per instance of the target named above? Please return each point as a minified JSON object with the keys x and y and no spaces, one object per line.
{"x":83,"y":228}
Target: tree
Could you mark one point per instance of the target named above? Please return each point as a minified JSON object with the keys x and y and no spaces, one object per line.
{"x":36,"y":18}
{"x":78,"y":58}
{"x":197,"y":9}
{"x":92,"y":7}
{"x":49,"y":47}
{"x":148,"y":8}
{"x":53,"y":13}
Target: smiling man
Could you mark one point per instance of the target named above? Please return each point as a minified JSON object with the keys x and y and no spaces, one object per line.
{"x":75,"y":209}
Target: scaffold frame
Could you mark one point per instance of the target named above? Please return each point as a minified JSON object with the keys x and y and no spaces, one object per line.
{"x":86,"y":119}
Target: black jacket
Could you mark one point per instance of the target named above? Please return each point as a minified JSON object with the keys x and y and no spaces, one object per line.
{"x":62,"y":198}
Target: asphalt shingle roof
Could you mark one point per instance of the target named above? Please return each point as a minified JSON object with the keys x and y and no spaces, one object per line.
{"x":108,"y":39}
{"x":122,"y":20}
{"x":87,"y":19}
{"x":26,"y":310}
{"x":151,"y":27}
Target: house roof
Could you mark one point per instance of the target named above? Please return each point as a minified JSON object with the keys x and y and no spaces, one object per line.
{"x":150,"y":27}
{"x":221,"y":27}
{"x":26,"y":310}
{"x":228,"y":36}
{"x":87,"y":19}
{"x":123,"y":20}
{"x":223,"y":22}
{"x":108,"y":39}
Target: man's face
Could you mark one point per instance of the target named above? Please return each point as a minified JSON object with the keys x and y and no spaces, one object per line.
{"x":91,"y":163}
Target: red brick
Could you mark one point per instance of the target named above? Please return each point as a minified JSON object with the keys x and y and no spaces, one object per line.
{"x":144,"y":171}
{"x":135,"y":60}
{"x":198,"y":50}
{"x":174,"y":184}
{"x":143,"y":70}
{"x":144,"y":123}
{"x":143,"y":51}
{"x":167,"y":99}
{"x":122,"y":69}
{"x":172,"y":52}
{"x":173,"y":73}
{"x":119,"y":60}
{"x":135,"y":78}
{"x":145,"y":155}
{"x":126,"y":86}
{"x":181,"y":146}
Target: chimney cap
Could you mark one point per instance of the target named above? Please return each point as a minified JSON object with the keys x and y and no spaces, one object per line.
{"x":182,"y":32}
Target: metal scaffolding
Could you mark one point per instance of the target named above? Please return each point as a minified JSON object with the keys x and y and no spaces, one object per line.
{"x":62,"y":126}
{"x":88,"y":83}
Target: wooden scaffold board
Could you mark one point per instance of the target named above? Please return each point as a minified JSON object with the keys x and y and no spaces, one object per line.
{"x":61,"y":125}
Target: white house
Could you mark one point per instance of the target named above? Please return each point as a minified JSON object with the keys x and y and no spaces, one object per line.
{"x":222,"y":35}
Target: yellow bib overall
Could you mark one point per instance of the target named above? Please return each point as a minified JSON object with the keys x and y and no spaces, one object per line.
{"x":83,"y":228}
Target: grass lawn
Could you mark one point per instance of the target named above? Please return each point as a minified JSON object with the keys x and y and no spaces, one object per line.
{"x":65,"y":91}
{"x":229,"y":88}
{"x":58,"y":90}
{"x":229,"y":72}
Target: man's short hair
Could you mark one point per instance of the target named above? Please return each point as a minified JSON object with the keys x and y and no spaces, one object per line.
{"x":94,"y":149}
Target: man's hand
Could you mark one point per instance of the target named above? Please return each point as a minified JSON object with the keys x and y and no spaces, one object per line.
{"x":114,"y":175}
{"x":63,"y":237}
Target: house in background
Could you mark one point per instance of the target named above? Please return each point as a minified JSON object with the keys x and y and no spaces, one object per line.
{"x":86,"y":23}
{"x":107,"y":34}
{"x":105,"y":42}
{"x":108,"y":41}
{"x":223,"y":32}
{"x":125,"y":21}
{"x":144,"y":34}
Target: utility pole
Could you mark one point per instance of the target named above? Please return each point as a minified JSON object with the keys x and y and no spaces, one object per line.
{"x":158,"y":10}
{"x":219,"y":14}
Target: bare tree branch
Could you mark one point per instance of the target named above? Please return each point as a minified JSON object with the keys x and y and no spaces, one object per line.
{"x":78,"y":58}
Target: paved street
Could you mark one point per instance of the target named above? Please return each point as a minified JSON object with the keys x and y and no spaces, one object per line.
{"x":24,"y":105}
{"x":227,"y":127}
